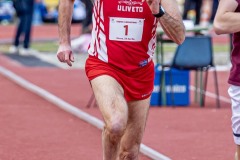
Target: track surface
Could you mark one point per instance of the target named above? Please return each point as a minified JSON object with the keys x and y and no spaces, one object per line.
{"x":33,"y":129}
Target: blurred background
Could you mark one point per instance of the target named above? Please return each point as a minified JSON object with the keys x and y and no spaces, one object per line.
{"x":180,"y":127}
{"x":45,"y":11}
{"x":44,"y":33}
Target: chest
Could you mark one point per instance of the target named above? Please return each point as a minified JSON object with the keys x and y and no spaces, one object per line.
{"x":126,"y":8}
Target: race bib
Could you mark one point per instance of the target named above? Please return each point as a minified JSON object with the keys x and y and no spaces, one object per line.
{"x":126,"y":29}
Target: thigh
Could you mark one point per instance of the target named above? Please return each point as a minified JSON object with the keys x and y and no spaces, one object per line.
{"x":110,"y":98}
{"x":27,"y":20}
{"x":137,"y":117}
{"x":138,"y":111}
{"x":21,"y":21}
{"x":234,"y":92}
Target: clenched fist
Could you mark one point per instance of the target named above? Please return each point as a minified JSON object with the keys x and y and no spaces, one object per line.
{"x":65,"y":54}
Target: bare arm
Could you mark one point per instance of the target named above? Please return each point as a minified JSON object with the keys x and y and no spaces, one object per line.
{"x":64,"y":53}
{"x":64,"y":21}
{"x":226,"y":20}
{"x":171,"y":21}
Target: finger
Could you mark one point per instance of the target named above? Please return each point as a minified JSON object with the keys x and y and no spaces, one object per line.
{"x":71,"y":57}
{"x":66,"y":56}
{"x":60,"y":57}
{"x":69,"y":63}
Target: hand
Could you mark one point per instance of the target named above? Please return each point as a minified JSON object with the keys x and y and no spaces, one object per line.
{"x":65,"y":55}
{"x":153,"y":5}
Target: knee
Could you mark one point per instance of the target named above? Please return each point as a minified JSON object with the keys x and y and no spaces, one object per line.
{"x":115,"y":130}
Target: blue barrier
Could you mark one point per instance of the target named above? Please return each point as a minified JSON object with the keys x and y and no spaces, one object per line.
{"x":180,"y":87}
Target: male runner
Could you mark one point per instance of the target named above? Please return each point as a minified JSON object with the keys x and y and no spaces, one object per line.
{"x":227,"y":20}
{"x":120,"y":67}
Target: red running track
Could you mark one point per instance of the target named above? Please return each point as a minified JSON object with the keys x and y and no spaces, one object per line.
{"x":182,"y":133}
{"x":34,"y":129}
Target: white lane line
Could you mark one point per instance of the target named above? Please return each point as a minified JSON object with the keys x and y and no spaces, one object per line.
{"x":52,"y":58}
{"x":212,"y":95}
{"x":72,"y":109}
{"x":152,"y":153}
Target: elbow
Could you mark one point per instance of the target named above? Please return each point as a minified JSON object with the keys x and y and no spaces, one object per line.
{"x":181,"y":36}
{"x":180,"y":39}
{"x":219,"y":28}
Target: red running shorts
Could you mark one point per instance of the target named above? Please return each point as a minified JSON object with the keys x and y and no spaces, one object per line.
{"x":137,"y":84}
